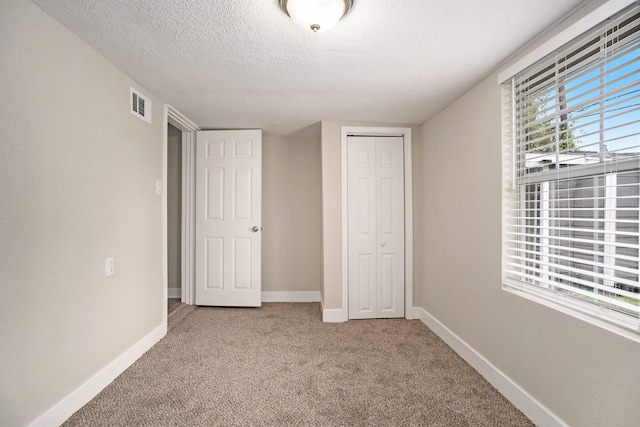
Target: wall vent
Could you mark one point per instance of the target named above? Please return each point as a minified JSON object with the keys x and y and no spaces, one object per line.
{"x":140,"y":105}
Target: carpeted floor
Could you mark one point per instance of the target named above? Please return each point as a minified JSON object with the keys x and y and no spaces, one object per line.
{"x":279,"y":365}
{"x":172,"y":305}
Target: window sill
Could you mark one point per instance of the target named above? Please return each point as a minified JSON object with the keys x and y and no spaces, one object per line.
{"x":618,"y":324}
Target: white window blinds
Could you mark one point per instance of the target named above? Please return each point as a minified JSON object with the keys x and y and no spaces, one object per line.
{"x":572,"y":221}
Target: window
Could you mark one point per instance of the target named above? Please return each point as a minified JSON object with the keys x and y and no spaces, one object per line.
{"x":572,"y":194}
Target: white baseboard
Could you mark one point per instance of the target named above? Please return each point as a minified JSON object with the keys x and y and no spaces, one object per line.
{"x":536,"y":411}
{"x":313,"y":296}
{"x":174,"y":293}
{"x":333,"y":315}
{"x":62,"y":410}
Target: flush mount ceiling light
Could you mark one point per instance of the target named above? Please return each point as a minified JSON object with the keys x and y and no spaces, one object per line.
{"x":316,"y":15}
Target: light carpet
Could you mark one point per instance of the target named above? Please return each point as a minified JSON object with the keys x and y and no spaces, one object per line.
{"x":279,"y":365}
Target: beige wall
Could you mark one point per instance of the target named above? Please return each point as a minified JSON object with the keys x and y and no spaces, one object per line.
{"x":331,"y":207}
{"x":174,"y":207}
{"x":585,"y":375}
{"x":291,"y":214}
{"x":77,"y":185}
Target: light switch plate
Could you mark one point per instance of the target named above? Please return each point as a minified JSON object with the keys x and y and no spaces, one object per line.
{"x":109,"y":267}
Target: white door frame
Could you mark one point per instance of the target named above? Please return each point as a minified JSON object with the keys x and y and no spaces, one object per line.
{"x":346,"y":131}
{"x":189,"y":129}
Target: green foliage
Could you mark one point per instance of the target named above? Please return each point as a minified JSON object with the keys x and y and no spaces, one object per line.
{"x":542,"y":133}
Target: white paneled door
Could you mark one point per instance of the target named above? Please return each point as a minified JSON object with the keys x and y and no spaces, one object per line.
{"x":228,"y":218}
{"x":375,"y":193}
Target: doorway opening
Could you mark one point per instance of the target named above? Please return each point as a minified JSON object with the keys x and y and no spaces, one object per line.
{"x":174,"y":218}
{"x":178,"y":208}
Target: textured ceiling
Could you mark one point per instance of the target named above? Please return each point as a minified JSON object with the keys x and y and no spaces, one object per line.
{"x":244,"y":64}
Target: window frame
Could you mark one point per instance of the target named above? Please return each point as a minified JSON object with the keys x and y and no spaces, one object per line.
{"x":611,"y":320}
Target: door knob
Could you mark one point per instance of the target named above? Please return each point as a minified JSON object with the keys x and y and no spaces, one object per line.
{"x":382,"y":244}
{"x":255,"y":229}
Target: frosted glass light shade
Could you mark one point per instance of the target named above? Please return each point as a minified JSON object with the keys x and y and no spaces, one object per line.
{"x":316,"y":15}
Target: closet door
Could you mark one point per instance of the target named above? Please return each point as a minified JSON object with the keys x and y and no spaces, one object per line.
{"x":375,"y":193}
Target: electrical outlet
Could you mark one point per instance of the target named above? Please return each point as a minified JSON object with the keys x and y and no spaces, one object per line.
{"x":109,"y":268}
